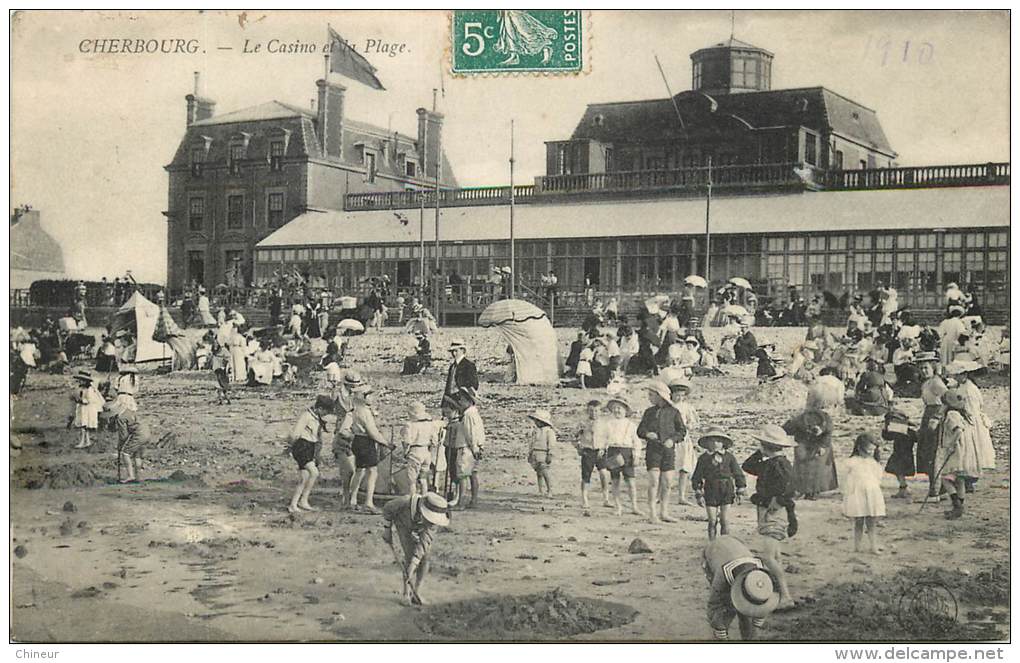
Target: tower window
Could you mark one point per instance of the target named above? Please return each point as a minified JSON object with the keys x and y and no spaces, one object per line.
{"x":697,"y":76}
{"x":196,"y":214}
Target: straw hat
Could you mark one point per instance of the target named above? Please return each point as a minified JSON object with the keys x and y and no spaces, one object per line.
{"x":958,"y":366}
{"x":924,"y":357}
{"x":680,"y":382}
{"x":773,"y":435}
{"x":352,"y":378}
{"x":718,"y":433}
{"x":435,"y":509}
{"x":542,"y":416}
{"x":458,"y":343}
{"x":897,"y":416}
{"x":659,"y":388}
{"x":622,"y":401}
{"x":418,"y":412}
{"x":754,"y":594}
{"x":84,"y":375}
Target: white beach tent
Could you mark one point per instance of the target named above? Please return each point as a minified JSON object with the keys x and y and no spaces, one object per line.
{"x":528,"y":331}
{"x":139,"y":316}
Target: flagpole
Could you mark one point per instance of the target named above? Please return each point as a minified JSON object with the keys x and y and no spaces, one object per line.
{"x":513,"y":266}
{"x":421,"y":241}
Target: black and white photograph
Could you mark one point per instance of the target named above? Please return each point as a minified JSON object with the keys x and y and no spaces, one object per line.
{"x":510,"y":326}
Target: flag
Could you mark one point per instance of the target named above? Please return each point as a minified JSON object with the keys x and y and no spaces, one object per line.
{"x":344,"y":60}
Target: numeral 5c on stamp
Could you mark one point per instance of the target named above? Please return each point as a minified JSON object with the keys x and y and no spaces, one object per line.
{"x":517,"y":40}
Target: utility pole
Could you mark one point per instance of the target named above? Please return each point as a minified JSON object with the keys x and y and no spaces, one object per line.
{"x":421,"y":243}
{"x":513,"y":265}
{"x":708,"y":231}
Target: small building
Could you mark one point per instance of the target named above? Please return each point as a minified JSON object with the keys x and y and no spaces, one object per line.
{"x":238,"y":177}
{"x":35,"y":255}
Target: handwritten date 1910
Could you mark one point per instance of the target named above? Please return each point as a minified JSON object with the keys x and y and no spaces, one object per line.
{"x":890,"y":52}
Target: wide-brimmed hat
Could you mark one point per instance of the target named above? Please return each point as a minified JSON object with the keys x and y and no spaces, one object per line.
{"x":657,"y":387}
{"x":127,"y":368}
{"x":718,"y":433}
{"x":925,"y":357}
{"x":622,"y":401}
{"x":773,"y":435}
{"x":954,"y":398}
{"x":754,"y":594}
{"x":352,"y":378}
{"x":897,"y":416}
{"x":83,"y":374}
{"x":958,"y":366}
{"x":418,"y":412}
{"x":435,"y":509}
{"x":678,"y":383}
{"x":542,"y":416}
{"x":458,"y":343}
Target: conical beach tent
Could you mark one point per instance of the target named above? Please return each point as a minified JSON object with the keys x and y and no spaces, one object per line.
{"x":528,"y":331}
{"x":167,"y":331}
{"x":138,"y":315}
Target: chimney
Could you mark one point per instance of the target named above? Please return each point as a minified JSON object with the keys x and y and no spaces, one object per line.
{"x":330,"y":117}
{"x":430,"y":136}
{"x":199,"y":108}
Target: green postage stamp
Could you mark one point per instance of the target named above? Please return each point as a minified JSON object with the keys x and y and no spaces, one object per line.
{"x":517,"y":40}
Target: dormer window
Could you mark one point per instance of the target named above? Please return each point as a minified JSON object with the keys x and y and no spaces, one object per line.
{"x":238,"y":152}
{"x":198,"y":154}
{"x":276,"y":155}
{"x":410,"y":168}
{"x":197,"y":160}
{"x":598,"y":120}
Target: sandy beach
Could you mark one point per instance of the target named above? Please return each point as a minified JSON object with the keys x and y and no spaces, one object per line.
{"x":205,"y":550}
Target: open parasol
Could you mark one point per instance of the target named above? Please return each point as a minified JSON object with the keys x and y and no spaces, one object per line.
{"x":735,"y":310}
{"x":741,"y":283}
{"x":350,"y":324}
{"x":696,"y":281}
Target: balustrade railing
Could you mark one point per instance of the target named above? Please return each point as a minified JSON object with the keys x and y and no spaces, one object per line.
{"x":447,"y":197}
{"x":917,"y":176}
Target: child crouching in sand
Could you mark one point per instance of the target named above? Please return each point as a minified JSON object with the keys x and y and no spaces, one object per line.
{"x":540,"y":455}
{"x":304,"y":440}
{"x":862,"y":491}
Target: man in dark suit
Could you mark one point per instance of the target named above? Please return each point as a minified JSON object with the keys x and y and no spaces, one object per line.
{"x":462,"y":371}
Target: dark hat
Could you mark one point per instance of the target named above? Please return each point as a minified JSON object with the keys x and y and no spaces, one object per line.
{"x":866,"y":438}
{"x":323,"y":402}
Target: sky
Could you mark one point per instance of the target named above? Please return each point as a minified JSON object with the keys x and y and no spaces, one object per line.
{"x":91,"y":133}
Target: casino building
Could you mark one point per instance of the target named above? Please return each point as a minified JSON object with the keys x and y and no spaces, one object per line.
{"x":805,"y":189}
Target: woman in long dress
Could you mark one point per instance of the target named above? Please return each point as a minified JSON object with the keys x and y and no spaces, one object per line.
{"x":975,"y":409}
{"x":204,"y":311}
{"x":238,"y":354}
{"x":814,"y":465}
{"x":520,"y":33}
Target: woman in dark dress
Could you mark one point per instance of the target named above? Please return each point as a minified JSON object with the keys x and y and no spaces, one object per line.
{"x":814,"y":466}
{"x":648,"y":345}
{"x":901,"y":463}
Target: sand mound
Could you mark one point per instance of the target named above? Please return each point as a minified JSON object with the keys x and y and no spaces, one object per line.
{"x":70,"y":475}
{"x":547,"y":616}
{"x":922,"y":604}
{"x":785,"y":393}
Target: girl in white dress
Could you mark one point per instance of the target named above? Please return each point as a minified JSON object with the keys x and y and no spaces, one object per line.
{"x":975,"y":409}
{"x":862,"y":491}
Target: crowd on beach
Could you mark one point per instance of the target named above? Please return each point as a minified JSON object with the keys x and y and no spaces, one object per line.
{"x":881,"y":359}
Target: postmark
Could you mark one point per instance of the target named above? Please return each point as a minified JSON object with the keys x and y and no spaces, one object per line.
{"x":494,"y":41}
{"x":927,"y":607}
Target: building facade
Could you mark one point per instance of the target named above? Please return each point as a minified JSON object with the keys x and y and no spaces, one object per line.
{"x":731,"y":116}
{"x":238,"y":177}
{"x":805,"y":194}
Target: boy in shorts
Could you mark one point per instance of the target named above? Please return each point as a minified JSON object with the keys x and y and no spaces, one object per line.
{"x":661,"y":427}
{"x":473,"y":432}
{"x":304,"y":440}
{"x":592,"y":454}
{"x":421,"y":435}
{"x":619,"y":436}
